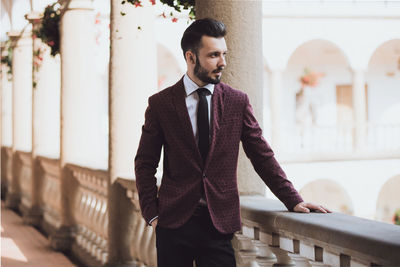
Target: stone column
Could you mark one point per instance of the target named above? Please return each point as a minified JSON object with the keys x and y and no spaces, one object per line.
{"x":78,"y":108}
{"x":6,"y":120}
{"x":133,"y":78}
{"x":244,"y":69}
{"x":359,"y":109}
{"x":6,"y":103}
{"x":33,"y":214}
{"x":276,"y":103}
{"x":22,"y":106}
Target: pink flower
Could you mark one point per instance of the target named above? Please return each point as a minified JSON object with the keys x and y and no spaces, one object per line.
{"x":174,"y":19}
{"x":51,"y":43}
{"x":153,"y":2}
{"x":163,"y":15}
{"x":97,"y":21}
{"x":138,"y":4}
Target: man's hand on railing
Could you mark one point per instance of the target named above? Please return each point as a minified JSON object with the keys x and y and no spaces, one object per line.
{"x":307,"y":207}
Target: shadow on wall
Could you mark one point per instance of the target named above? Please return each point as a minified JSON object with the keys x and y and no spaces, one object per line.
{"x":388,"y":200}
{"x":328,"y":193}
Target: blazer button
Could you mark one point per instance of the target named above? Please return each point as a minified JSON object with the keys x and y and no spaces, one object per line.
{"x":204,"y":175}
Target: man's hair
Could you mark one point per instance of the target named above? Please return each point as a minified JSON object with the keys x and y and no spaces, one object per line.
{"x":191,"y":39}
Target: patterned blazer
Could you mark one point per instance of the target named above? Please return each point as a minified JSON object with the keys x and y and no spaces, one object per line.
{"x":167,"y":124}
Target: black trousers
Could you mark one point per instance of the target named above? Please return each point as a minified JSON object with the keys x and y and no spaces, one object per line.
{"x":198,"y":241}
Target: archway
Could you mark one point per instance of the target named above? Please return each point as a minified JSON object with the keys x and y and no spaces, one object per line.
{"x":328,"y":193}
{"x":316,"y":81}
{"x":388,"y":200}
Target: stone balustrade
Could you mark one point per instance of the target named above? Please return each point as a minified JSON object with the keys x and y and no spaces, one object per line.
{"x":6,"y":169}
{"x":338,"y":142}
{"x":143,"y":245}
{"x":315,"y":239}
{"x":270,"y":236}
{"x":25,"y":179}
{"x":51,"y":194}
{"x":91,"y":215}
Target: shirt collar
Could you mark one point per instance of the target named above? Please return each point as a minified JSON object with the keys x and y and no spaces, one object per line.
{"x":191,"y":86}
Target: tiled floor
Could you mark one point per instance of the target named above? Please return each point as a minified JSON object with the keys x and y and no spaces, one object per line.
{"x":23,"y":245}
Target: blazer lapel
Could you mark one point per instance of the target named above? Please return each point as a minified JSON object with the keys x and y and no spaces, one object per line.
{"x":183,"y":115}
{"x":217,"y":113}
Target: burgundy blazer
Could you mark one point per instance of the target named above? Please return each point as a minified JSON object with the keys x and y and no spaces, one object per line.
{"x":167,"y":124}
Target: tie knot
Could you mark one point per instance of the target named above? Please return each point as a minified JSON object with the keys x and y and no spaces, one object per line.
{"x":203,"y":91}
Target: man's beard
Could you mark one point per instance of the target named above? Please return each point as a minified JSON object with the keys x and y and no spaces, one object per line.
{"x":202,"y":73}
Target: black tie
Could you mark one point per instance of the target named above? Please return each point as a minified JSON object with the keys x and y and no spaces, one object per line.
{"x":203,"y":122}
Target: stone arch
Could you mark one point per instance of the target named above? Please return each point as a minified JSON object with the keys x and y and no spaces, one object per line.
{"x":315,"y":43}
{"x":305,"y":103}
{"x":383,"y":78}
{"x":328,"y":193}
{"x":388,"y":200}
{"x":168,"y":68}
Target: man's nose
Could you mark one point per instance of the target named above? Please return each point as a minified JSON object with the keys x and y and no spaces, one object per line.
{"x":222,"y":61}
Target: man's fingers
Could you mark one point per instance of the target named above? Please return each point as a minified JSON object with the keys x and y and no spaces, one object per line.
{"x":319,"y":208}
{"x":304,"y":209}
{"x":301,"y":208}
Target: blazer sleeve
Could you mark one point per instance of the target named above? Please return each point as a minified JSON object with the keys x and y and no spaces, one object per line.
{"x":262,"y":157}
{"x":146,"y":162}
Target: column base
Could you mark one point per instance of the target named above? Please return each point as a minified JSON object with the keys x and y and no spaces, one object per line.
{"x":83,"y":257}
{"x":119,"y":264}
{"x":32,"y":216}
{"x":3,"y":189}
{"x":12,"y":201}
{"x":63,"y":238}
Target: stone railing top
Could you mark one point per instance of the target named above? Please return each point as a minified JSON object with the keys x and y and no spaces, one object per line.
{"x":25,"y":157}
{"x":93,"y":180}
{"x":131,"y":191}
{"x":7,"y":150}
{"x":50,"y":166}
{"x":378,"y":242}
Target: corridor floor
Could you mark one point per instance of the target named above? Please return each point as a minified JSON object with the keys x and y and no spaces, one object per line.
{"x":23,"y":245}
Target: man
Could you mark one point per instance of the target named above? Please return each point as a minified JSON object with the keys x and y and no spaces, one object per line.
{"x":200,"y":122}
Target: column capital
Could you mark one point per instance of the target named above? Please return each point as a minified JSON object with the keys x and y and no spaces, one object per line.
{"x":358,"y":70}
{"x":16,"y":35}
{"x":13,"y":34}
{"x":34,"y":17}
{"x":276,"y":70}
{"x":79,"y":4}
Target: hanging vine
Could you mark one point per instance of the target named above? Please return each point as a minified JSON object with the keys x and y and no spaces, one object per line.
{"x":177,"y":5}
{"x":48,"y":28}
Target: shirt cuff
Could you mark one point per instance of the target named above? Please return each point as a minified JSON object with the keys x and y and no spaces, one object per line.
{"x":152,"y":220}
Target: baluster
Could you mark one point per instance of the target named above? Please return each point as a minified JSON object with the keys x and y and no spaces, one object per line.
{"x":137,"y":240}
{"x":245,"y":251}
{"x":299,"y":260}
{"x":152,"y":249}
{"x":282,"y":256}
{"x":265,"y":256}
{"x":105,"y":231}
{"x":145,"y":244}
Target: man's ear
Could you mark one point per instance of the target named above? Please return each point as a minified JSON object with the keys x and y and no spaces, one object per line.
{"x":190,"y":56}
